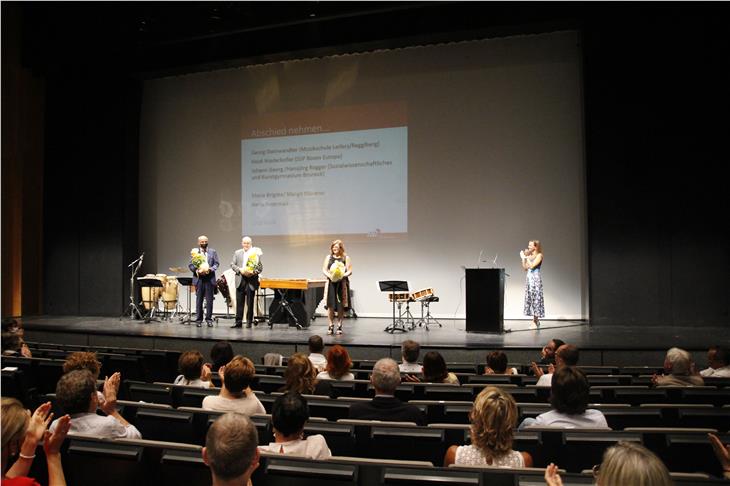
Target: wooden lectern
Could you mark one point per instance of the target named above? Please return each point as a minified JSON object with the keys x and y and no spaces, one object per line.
{"x":485,"y":300}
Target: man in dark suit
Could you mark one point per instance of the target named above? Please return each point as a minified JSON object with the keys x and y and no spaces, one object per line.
{"x":204,"y":281}
{"x":385,"y":406}
{"x":247,"y":279}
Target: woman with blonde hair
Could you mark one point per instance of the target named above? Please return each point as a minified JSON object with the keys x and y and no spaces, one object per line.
{"x":21,"y":434}
{"x":301,"y":377}
{"x":493,"y":420}
{"x":337,"y":267}
{"x":532,"y":258}
{"x":623,"y":464}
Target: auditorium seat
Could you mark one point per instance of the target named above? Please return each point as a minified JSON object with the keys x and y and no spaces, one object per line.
{"x":47,"y":373}
{"x":140,"y":391}
{"x":268,"y":383}
{"x":340,"y":437}
{"x":190,"y":396}
{"x":90,"y":460}
{"x":161,"y":422}
{"x":707,"y":394}
{"x":15,"y":384}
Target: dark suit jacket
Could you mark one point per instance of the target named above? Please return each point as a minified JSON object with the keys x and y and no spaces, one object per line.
{"x":213,"y":263}
{"x":387,"y":409}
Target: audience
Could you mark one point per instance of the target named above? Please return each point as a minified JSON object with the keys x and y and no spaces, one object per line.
{"x":22,"y":432}
{"x":547,"y":355}
{"x":12,"y":340}
{"x":493,"y":419}
{"x":385,"y":406}
{"x":301,"y":377}
{"x":497,"y":364}
{"x":409,"y":354}
{"x":220,"y":354}
{"x":76,"y":395}
{"x":722,"y":452}
{"x":288,"y":416}
{"x":566,"y":355}
{"x":316,"y":346}
{"x":718,"y":362}
{"x":231,"y":450}
{"x":678,"y":370}
{"x":84,"y":360}
{"x":434,"y":369}
{"x":626,"y":463}
{"x":194,"y":372}
{"x":338,"y":365}
{"x":236,"y":394}
{"x":569,"y":400}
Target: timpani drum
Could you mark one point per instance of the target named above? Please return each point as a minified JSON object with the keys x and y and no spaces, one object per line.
{"x":169,"y":293}
{"x":422,"y":294}
{"x":399,"y":297}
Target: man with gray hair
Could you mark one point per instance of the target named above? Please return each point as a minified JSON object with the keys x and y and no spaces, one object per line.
{"x":231,"y":450}
{"x":678,"y":370}
{"x":385,"y":406}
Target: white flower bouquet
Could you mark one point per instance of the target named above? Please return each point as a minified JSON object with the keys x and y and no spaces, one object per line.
{"x":337,"y":271}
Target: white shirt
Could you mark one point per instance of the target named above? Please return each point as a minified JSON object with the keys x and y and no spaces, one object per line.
{"x":472,"y":456}
{"x":318,"y":361}
{"x":181,"y":380}
{"x":723,"y":372}
{"x":313,"y":447}
{"x":406,"y":367}
{"x":545,"y":380}
{"x":326,"y":376}
{"x":105,"y":427}
{"x":248,"y":404}
{"x":590,"y":419}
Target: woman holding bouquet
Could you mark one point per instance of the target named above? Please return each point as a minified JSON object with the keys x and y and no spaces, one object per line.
{"x":337,"y":268}
{"x":534,"y":301}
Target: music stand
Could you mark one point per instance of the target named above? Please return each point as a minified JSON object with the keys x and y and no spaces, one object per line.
{"x":187,"y":282}
{"x":394,"y":286}
{"x":154,"y":283}
{"x":133,"y":309}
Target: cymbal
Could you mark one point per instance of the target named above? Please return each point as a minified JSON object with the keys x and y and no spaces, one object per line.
{"x":178,"y":269}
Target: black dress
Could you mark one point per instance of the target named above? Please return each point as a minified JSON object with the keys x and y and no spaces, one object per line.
{"x":338,"y":293}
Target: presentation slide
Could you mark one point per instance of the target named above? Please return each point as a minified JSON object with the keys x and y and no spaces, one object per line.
{"x":313,"y":178}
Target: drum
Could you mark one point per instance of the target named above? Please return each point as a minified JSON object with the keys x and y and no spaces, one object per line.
{"x":169,"y":293}
{"x":150,"y":295}
{"x":399,"y":297}
{"x":422,"y":294}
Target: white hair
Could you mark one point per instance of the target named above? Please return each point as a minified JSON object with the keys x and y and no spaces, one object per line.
{"x":246,"y":238}
{"x":680,"y":361}
{"x":386,"y":375}
{"x":202,"y":237}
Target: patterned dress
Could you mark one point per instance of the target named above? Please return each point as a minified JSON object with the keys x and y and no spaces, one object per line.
{"x":470,"y":455}
{"x":534,"y":302}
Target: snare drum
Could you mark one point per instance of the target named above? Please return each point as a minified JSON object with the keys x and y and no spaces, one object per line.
{"x":399,"y":297}
{"x":169,"y":293}
{"x":423,"y":294}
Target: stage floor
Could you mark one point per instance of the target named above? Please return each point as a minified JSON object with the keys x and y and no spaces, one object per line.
{"x":370,"y":332}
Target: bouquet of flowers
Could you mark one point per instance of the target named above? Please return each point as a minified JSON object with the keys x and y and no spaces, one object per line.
{"x":253,"y":259}
{"x":337,"y":271}
{"x":199,"y":261}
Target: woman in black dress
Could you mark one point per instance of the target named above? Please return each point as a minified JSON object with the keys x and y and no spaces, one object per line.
{"x":337,"y":268}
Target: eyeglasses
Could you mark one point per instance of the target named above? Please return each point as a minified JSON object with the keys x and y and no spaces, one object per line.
{"x":596,"y":470}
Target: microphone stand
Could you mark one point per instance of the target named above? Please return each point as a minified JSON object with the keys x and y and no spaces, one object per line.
{"x":132,"y":309}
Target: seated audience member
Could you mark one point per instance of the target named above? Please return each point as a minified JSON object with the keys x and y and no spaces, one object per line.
{"x":626,"y":463}
{"x":547,"y":354}
{"x":566,"y":355}
{"x":84,"y":360}
{"x":76,"y":395}
{"x":718,"y":362}
{"x":22,"y":432}
{"x":434,"y":370}
{"x":722,"y":452}
{"x":316,"y":346}
{"x":493,"y":419}
{"x":497,"y":364}
{"x":288,"y":416}
{"x":569,"y":400}
{"x":301,"y":377}
{"x":231,"y":450}
{"x":12,"y":341}
{"x":220,"y":354}
{"x":385,"y":406}
{"x":409,"y":354}
{"x":236,"y":394}
{"x":194,"y":372}
{"x":678,"y":370}
{"x":338,"y":365}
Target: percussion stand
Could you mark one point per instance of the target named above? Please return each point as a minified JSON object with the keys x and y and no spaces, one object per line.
{"x":284,"y":303}
{"x":425,"y":321}
{"x":394,"y":286}
{"x":187,"y":282}
{"x":407,"y":314}
{"x":133,"y":309}
{"x":150,"y":282}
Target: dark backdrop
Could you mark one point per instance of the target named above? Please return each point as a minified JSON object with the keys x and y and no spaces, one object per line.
{"x":655,"y":115}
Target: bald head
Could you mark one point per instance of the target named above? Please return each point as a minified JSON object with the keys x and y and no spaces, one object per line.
{"x":231,"y":447}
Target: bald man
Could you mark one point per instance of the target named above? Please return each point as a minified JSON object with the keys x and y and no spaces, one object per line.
{"x":204,"y":281}
{"x":247,"y":279}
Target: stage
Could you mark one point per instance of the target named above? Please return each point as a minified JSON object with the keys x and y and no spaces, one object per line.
{"x":365,"y":338}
